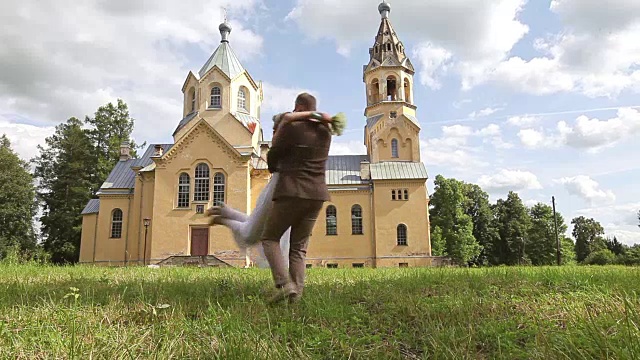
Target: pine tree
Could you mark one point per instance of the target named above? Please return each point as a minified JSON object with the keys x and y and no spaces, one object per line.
{"x":17,"y":201}
{"x":64,"y":170}
{"x":110,"y":126}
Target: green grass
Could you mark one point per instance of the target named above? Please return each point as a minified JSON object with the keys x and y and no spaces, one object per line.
{"x":191,"y":313}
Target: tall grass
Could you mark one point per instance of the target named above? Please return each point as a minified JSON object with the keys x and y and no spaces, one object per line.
{"x":190,"y":313}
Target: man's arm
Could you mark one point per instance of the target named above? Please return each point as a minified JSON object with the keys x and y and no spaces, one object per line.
{"x":280,"y":142}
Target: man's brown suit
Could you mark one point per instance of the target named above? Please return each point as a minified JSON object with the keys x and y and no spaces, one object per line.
{"x":299,"y":153}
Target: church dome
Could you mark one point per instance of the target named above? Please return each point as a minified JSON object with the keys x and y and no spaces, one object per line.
{"x":224,"y":27}
{"x":384,"y":6}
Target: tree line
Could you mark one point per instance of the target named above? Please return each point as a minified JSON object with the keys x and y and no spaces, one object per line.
{"x":470,"y":230}
{"x":67,"y":172}
{"x":69,"y":169}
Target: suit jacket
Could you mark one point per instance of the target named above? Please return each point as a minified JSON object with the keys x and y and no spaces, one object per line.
{"x":299,"y":152}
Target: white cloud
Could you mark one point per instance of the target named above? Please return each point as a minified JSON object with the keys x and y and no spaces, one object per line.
{"x":591,"y":134}
{"x":569,"y":62}
{"x":67,"y":58}
{"x":25,"y":138}
{"x":433,"y":60}
{"x":279,"y":99}
{"x":523,"y":120}
{"x":484,"y":112}
{"x":618,"y":220}
{"x":353,"y":147}
{"x":588,"y":189}
{"x":507,"y":180}
{"x":470,"y":37}
{"x":493,"y":135}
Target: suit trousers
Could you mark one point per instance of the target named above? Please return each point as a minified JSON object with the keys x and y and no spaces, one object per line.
{"x":301,"y":215}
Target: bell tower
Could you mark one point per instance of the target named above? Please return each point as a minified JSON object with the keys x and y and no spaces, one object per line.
{"x":392,"y":129}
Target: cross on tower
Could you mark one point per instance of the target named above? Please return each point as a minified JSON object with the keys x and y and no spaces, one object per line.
{"x":224,"y":14}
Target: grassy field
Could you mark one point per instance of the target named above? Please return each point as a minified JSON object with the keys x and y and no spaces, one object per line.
{"x":191,"y":313}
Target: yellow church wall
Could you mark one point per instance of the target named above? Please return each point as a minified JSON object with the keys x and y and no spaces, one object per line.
{"x":232,"y":130}
{"x":173,"y":225}
{"x":88,"y":236}
{"x":253,"y":96}
{"x":259,"y":180}
{"x":345,"y":248}
{"x":390,"y":213}
{"x":112,"y":250}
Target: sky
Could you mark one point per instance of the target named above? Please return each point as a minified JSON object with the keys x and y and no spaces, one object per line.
{"x":539,"y":97}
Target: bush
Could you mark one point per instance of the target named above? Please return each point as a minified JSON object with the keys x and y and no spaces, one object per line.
{"x":600,"y":257}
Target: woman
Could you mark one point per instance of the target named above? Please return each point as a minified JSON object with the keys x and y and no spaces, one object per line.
{"x":247,"y":229}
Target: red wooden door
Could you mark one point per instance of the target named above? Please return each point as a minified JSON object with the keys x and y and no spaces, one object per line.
{"x":199,"y":241}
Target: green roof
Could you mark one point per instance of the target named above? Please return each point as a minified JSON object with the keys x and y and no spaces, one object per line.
{"x":225,"y":59}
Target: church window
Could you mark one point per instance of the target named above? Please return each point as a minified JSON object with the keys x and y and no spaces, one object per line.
{"x":216,"y":98}
{"x":192,"y":96}
{"x":406,"y":194}
{"x":332,"y":220}
{"x":391,"y":88}
{"x":388,"y":46}
{"x":116,"y":224}
{"x":184,"y":182}
{"x":356,"y":220}
{"x":402,"y":235}
{"x":393,"y":194}
{"x":407,"y":91}
{"x":201,"y":184}
{"x":375,"y":91}
{"x":394,"y":148}
{"x":218,"y":188}
{"x":393,"y":114}
{"x":242,"y":100}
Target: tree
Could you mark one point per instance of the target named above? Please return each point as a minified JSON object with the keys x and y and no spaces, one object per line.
{"x":541,"y":239}
{"x":600,"y":257}
{"x":638,"y":218}
{"x":615,"y":246}
{"x":587,"y":233}
{"x":567,"y":250}
{"x":64,"y":170}
{"x":17,"y":201}
{"x":438,"y":245}
{"x":512,"y":222}
{"x":479,"y":209}
{"x":110,"y":126}
{"x":449,"y":221}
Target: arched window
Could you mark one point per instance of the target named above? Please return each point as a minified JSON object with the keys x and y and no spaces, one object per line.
{"x":201,"y":184}
{"x":356,"y":220}
{"x":375,"y":91}
{"x":192,"y":97}
{"x":216,"y":98}
{"x":402,"y":235}
{"x":242,"y":100}
{"x":393,"y":194}
{"x":332,"y":220}
{"x":406,"y":194}
{"x":116,"y":224}
{"x":218,"y":188}
{"x":392,"y":93}
{"x":184,"y":183}
{"x":407,"y":91}
{"x":394,"y":148}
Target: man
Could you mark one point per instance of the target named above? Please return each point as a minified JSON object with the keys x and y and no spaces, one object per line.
{"x":299,"y":153}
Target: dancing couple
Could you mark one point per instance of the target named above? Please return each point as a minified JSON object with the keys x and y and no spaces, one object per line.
{"x":290,"y":203}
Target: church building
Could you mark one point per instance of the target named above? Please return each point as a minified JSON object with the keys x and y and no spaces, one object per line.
{"x":151,"y":210}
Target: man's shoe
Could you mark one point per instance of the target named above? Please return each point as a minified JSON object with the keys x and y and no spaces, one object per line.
{"x":287,"y":291}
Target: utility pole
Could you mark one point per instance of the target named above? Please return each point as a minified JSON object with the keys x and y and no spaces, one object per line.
{"x":555,"y":225}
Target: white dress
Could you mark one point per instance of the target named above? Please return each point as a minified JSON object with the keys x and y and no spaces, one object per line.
{"x":247,"y":229}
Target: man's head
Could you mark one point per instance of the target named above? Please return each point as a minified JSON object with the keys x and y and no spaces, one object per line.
{"x":305,"y":102}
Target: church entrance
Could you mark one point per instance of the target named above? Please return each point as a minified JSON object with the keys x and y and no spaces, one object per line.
{"x":199,"y":241}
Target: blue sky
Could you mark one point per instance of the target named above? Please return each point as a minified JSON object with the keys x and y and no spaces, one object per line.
{"x":540,"y":97}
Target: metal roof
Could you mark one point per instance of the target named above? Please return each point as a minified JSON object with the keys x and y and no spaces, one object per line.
{"x":259,"y":163}
{"x":398,"y":170}
{"x":123,"y":177}
{"x":185,"y":121}
{"x":344,"y":169}
{"x":245,"y":119}
{"x":371,"y":121}
{"x":413,"y":120}
{"x":92,"y":207}
{"x":225,"y":59}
